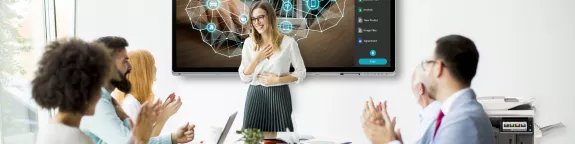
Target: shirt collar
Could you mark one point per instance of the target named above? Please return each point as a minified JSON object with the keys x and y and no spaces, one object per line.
{"x":106,"y":94}
{"x":430,"y":111}
{"x":446,"y":106}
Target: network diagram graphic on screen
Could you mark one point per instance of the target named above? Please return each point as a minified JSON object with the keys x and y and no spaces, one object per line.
{"x":223,"y":24}
{"x":332,"y":35}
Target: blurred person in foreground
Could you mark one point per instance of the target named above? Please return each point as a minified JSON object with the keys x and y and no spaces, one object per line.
{"x":70,"y":75}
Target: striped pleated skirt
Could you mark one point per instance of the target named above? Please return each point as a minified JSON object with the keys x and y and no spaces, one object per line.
{"x":268,"y":108}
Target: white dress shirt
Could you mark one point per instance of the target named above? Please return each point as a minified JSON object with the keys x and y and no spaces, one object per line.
{"x":131,"y":106}
{"x":427,"y":116}
{"x":278,"y":64}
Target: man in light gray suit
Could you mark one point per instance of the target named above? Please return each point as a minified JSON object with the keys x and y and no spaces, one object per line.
{"x":448,"y":76}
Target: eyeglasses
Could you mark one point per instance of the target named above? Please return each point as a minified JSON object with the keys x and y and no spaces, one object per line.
{"x":424,"y":62}
{"x":259,"y":18}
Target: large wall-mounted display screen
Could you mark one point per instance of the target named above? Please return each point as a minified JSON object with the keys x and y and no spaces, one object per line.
{"x":332,"y":35}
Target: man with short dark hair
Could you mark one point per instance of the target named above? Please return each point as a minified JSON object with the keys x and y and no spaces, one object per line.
{"x":448,"y":76}
{"x":110,"y":124}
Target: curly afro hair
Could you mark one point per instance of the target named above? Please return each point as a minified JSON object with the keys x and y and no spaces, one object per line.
{"x":71,"y":74}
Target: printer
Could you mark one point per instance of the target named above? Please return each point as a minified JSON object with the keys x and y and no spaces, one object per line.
{"x":511,"y":119}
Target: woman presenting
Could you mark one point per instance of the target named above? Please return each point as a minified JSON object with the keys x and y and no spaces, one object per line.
{"x":266,"y":59}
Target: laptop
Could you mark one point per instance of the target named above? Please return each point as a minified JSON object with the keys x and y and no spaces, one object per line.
{"x":227,"y":128}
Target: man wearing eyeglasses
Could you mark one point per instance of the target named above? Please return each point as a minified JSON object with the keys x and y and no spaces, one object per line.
{"x":448,"y":75}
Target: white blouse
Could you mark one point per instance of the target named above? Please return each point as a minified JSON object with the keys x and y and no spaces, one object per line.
{"x":279,"y":63}
{"x":131,"y":106}
{"x":57,"y":133}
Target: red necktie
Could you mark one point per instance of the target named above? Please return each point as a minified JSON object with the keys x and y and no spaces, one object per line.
{"x":438,"y":122}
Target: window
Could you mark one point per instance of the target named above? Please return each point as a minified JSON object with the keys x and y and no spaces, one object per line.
{"x":25,"y":27}
{"x":66,"y":18}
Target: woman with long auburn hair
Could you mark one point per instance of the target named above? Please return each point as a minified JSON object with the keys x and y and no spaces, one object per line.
{"x":142,"y":78}
{"x":266,"y":59}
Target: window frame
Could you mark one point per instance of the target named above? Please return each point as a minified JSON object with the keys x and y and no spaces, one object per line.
{"x":50,"y":34}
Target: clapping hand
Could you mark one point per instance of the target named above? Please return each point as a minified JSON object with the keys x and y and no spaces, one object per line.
{"x":184,"y":134}
{"x":171,"y":106}
{"x":148,"y":115}
{"x":372,"y":112}
{"x":377,"y":125}
{"x":170,"y":98}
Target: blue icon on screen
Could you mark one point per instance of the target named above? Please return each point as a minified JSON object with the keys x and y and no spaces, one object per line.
{"x":285,"y":27}
{"x":313,"y":4}
{"x":372,"y":53}
{"x":287,"y":6}
{"x":213,"y":4}
{"x":244,"y":18}
{"x":359,"y":40}
{"x":211,"y":27}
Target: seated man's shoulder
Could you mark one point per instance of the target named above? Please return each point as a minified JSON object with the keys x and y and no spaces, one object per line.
{"x":470,"y":115}
{"x":104,"y":108}
{"x":470,"y":108}
{"x":458,"y":120}
{"x":470,"y":123}
{"x":466,"y":130}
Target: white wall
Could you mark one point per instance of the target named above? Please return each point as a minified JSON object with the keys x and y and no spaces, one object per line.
{"x":526,"y":49}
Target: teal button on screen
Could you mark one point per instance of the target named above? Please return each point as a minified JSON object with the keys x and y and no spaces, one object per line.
{"x":372,"y":61}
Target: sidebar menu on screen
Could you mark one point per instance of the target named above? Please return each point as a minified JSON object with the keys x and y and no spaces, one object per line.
{"x":373,"y":28}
